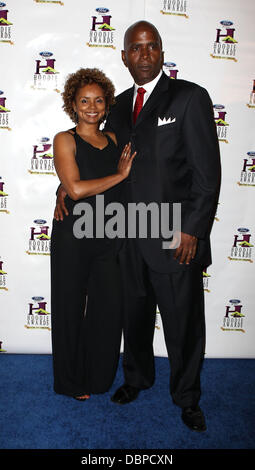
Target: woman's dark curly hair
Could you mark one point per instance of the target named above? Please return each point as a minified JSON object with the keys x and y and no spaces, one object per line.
{"x":86,"y":77}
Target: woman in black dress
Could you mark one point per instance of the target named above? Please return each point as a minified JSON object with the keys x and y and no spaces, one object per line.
{"x":85,"y":277}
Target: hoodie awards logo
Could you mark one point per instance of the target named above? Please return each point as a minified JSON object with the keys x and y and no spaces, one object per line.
{"x":251,"y":103}
{"x":241,"y":249}
{"x":102,"y":32}
{"x":175,"y":7}
{"x":234,"y":318}
{"x":157,"y":319}
{"x":3,"y":198}
{"x":46,"y":75}
{"x":216,"y":216}
{"x":1,"y":348}
{"x":56,"y":2}
{"x":38,"y":317}
{"x":42,"y":161}
{"x":39,"y":242}
{"x":224,"y":46}
{"x":3,"y":275}
{"x":220,"y":121}
{"x":206,"y":278}
{"x":4,"y":113}
{"x":5,"y":25}
{"x":247,"y":177}
{"x":170,"y":69}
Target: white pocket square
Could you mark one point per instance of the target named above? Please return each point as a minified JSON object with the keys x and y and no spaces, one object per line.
{"x":164,"y":121}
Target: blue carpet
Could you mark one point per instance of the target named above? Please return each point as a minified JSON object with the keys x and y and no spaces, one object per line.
{"x":34,"y":417}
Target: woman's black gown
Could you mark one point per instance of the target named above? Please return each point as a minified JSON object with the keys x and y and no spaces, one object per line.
{"x":86,"y":288}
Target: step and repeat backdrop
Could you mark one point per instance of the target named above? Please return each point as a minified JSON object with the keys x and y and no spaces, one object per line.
{"x":208,"y":42}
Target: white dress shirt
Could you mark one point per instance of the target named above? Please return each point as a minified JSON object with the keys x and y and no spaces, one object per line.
{"x":149,"y":87}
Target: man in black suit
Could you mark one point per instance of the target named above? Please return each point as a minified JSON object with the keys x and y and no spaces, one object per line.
{"x":177,"y":161}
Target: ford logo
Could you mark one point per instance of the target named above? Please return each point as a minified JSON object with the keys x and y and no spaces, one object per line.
{"x":251,"y":154}
{"x":169,"y":64}
{"x":2,"y":4}
{"x":226,"y":23}
{"x":44,"y":139}
{"x":46,"y":54}
{"x":40,"y":221}
{"x":102,"y":10}
{"x":37,"y":298}
{"x":235,"y":301}
{"x":1,"y":92}
{"x":243,"y":230}
{"x":218,"y":106}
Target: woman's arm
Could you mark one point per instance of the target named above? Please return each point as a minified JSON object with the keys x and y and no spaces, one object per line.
{"x":68,"y":171}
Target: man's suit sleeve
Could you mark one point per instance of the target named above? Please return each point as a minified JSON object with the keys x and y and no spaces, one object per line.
{"x":203,"y":158}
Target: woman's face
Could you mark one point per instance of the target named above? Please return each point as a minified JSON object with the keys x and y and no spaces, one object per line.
{"x":90,"y":104}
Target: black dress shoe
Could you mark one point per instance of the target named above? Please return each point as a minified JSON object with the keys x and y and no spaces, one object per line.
{"x":194,"y":419}
{"x":125,"y":394}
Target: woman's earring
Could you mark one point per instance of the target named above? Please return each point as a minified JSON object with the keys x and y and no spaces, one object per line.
{"x":76,"y":117}
{"x":105,"y":116}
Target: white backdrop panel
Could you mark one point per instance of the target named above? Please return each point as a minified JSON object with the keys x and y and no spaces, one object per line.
{"x":210,"y":43}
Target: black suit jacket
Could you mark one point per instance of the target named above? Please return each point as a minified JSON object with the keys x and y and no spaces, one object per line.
{"x":175,"y":162}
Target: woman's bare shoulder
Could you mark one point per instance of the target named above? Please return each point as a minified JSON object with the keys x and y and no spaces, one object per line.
{"x":64,"y":136}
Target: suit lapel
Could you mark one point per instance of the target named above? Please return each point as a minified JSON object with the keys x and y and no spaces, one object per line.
{"x":127,"y":107}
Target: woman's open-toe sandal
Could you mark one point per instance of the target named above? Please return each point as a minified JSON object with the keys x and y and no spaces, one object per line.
{"x":82,"y":397}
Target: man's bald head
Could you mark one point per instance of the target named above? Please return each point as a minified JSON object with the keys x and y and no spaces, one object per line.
{"x":141,"y":25}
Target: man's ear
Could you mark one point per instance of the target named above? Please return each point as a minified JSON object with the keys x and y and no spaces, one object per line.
{"x":162,"y":58}
{"x":123,"y":56}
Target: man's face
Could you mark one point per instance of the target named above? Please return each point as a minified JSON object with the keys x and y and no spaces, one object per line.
{"x":143,"y":54}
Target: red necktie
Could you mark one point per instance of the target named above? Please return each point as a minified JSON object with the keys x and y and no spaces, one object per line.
{"x":138,"y":102}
